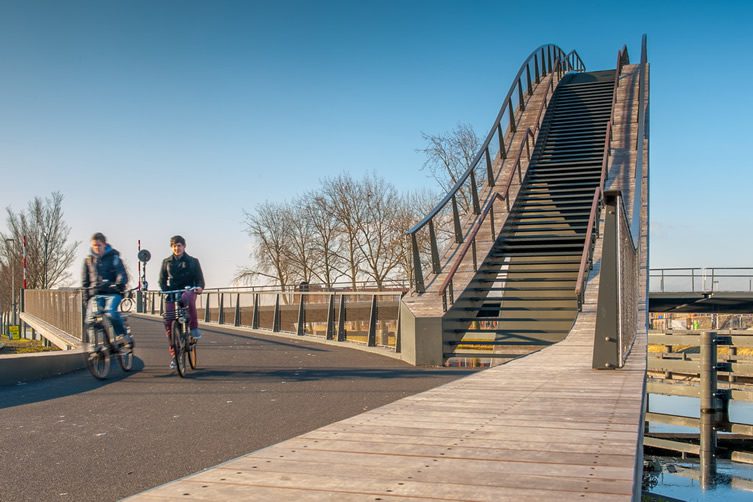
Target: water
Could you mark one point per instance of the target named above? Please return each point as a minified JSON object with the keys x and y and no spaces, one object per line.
{"x":680,"y":479}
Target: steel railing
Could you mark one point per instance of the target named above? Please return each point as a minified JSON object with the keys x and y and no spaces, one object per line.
{"x":592,"y":229}
{"x":446,"y":289}
{"x":701,"y":279}
{"x":370,"y":318}
{"x":617,"y":320}
{"x":544,"y":61}
{"x":63,"y":309}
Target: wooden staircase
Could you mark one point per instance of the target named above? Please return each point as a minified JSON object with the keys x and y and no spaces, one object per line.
{"x":523,"y":295}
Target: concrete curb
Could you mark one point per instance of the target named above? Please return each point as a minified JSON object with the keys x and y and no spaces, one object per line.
{"x":22,"y":368}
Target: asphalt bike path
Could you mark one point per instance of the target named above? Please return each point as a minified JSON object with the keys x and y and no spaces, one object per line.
{"x":74,"y":438}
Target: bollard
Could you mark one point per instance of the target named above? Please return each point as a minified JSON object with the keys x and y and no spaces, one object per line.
{"x":708,"y":409}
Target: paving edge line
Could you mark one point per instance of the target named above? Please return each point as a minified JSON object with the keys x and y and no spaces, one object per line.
{"x":382,"y":351}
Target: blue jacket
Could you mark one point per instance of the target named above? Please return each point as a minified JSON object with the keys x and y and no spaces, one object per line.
{"x":108,"y":267}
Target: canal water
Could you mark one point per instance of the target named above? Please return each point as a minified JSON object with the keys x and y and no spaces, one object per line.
{"x":679,"y":478}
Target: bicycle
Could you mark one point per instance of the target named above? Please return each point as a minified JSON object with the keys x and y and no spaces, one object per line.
{"x":103,"y":342}
{"x":183,"y":344}
{"x":126,"y":304}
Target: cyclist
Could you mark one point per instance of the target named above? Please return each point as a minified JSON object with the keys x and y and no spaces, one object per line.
{"x":181,"y":271}
{"x":105,"y":275}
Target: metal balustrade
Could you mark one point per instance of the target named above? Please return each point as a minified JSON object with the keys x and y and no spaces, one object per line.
{"x":443,"y":223}
{"x":63,"y":309}
{"x":701,"y":279}
{"x":369,"y":318}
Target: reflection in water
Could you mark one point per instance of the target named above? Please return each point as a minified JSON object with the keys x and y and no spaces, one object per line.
{"x":680,"y":478}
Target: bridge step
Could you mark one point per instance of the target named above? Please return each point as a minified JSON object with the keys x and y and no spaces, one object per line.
{"x":523,"y":296}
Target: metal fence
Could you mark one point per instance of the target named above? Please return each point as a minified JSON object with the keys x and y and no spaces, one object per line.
{"x":370,"y":318}
{"x":63,"y":309}
{"x":701,"y":279}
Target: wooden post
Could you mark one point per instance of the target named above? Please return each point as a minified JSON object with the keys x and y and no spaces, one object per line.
{"x":708,"y":409}
{"x":237,"y":316}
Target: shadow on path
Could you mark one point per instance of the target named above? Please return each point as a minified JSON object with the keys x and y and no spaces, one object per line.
{"x":76,"y":382}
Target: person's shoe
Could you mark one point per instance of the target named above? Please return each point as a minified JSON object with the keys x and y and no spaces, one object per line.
{"x":196,"y":334}
{"x":172,"y":363}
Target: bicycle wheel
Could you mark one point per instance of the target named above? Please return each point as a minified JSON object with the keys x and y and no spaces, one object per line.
{"x":125,"y":357}
{"x":98,"y":359}
{"x":193,"y":358}
{"x":126,"y":304}
{"x":179,"y":346}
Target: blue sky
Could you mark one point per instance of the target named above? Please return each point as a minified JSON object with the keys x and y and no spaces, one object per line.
{"x":163,"y":117}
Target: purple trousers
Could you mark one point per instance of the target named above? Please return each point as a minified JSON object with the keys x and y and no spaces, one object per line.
{"x":188,"y":298}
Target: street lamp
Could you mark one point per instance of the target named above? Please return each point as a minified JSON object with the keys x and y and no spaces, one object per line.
{"x":9,"y":242}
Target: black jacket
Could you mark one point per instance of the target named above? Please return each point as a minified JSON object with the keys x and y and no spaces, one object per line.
{"x":97,"y":269}
{"x":179,"y":273}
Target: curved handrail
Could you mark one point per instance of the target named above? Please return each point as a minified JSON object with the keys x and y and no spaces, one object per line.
{"x":585,"y":256}
{"x":485,"y":146}
{"x":585,"y":260}
{"x":553,"y":60}
{"x":642,"y":105}
{"x":471,"y":239}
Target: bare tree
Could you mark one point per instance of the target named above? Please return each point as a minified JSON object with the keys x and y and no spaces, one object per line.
{"x":344,"y":196}
{"x":448,"y":157}
{"x":380,"y":230}
{"x":327,"y":246}
{"x":303,"y":252}
{"x":269,"y":227}
{"x":48,"y":252}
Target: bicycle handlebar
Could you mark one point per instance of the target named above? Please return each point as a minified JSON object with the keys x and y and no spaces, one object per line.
{"x":191,"y":288}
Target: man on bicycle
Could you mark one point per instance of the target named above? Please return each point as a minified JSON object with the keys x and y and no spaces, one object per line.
{"x":180,"y":271}
{"x":104,"y":275}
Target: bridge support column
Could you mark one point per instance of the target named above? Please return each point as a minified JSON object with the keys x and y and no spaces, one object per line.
{"x":420,"y":338}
